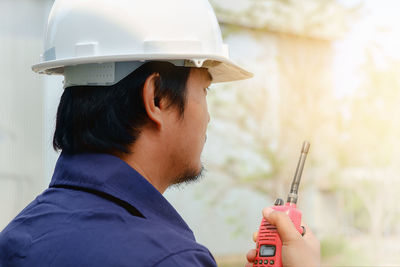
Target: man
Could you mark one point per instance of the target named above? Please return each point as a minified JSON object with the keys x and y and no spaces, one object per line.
{"x":131,"y":122}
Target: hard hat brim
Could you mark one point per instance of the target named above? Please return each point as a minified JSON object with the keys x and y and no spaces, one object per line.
{"x":220,"y":68}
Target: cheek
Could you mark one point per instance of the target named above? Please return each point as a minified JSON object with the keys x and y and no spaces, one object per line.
{"x":203,"y":117}
{"x":197,"y":126}
{"x":196,"y":119}
{"x":203,"y":107}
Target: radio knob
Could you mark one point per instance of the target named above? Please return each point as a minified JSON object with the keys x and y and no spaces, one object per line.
{"x":279,"y":202}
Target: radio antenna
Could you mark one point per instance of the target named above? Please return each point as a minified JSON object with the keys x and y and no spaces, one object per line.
{"x":292,"y":196}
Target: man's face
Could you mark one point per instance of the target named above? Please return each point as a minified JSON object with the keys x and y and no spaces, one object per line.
{"x":188,"y":133}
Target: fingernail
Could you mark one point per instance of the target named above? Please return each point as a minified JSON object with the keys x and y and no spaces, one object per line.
{"x":267,"y":211}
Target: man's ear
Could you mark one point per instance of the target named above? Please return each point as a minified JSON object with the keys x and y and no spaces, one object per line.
{"x":150,"y":102}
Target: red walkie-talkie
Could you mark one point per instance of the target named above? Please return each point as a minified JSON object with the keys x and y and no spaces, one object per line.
{"x":269,"y":244}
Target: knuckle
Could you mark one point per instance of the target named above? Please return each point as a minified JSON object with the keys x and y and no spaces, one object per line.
{"x":279,"y":217}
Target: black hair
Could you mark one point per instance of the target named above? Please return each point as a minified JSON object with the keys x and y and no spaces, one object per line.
{"x":107,"y":119}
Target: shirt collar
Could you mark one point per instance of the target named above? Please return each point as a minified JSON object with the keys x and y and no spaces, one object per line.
{"x":111,"y":175}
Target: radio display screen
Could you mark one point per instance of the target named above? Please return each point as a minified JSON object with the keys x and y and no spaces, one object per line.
{"x":267,"y":250}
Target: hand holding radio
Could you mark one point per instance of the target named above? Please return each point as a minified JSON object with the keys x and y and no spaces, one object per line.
{"x":297,"y":250}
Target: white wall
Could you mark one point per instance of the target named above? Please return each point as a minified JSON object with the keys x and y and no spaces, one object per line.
{"x":22,"y":105}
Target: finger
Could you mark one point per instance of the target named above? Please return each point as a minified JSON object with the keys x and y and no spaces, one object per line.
{"x":284,"y":225}
{"x":309,"y":235}
{"x":255,"y":235}
{"x":251,"y":255}
{"x":312,"y":240}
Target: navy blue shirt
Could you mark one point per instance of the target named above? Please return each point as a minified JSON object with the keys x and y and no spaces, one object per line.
{"x":98,"y":211}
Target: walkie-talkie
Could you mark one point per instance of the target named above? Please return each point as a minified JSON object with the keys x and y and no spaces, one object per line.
{"x":269,"y":244}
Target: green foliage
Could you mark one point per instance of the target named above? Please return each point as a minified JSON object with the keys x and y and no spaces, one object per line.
{"x":355,"y":207}
{"x":337,"y":251}
{"x":332,"y":246}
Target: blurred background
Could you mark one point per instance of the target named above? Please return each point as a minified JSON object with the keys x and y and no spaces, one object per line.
{"x":326,"y":71}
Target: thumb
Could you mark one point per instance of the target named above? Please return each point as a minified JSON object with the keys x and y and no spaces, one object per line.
{"x":286,"y":229}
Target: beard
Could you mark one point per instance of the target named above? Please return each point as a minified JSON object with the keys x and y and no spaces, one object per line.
{"x":189,"y":176}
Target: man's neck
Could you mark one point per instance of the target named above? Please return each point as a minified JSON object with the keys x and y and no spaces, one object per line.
{"x":148,"y":157}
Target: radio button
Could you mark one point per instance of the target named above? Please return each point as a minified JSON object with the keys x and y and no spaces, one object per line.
{"x":266,"y":262}
{"x":271,"y":262}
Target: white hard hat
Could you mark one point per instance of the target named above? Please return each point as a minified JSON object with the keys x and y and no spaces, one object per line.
{"x":99,"y":42}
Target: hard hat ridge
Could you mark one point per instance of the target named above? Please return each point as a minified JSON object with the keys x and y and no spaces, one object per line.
{"x":87,"y":40}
